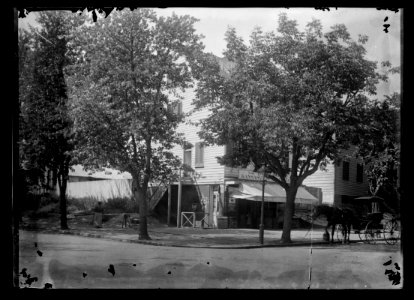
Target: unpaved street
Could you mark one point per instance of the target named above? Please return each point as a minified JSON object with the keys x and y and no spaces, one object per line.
{"x":79,"y":262}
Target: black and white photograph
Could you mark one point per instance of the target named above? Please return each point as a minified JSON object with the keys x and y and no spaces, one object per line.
{"x":208,"y":148}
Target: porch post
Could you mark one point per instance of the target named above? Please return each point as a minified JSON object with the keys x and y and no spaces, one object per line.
{"x":179,"y":201}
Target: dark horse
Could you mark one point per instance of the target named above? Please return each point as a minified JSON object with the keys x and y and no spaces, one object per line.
{"x":335,"y":216}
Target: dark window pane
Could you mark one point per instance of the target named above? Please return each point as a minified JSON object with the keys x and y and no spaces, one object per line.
{"x":345,"y":170}
{"x":176,"y":108}
{"x":187,"y":157}
{"x":360,"y":173}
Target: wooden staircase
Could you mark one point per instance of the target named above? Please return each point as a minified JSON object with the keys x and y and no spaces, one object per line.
{"x":155,"y":194}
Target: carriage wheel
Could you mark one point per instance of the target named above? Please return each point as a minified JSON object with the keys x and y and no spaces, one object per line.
{"x":339,"y":233}
{"x":371,"y":232}
{"x":391,"y":232}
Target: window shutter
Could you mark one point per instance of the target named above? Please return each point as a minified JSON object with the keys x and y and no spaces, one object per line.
{"x":180,"y":108}
{"x":199,"y":155}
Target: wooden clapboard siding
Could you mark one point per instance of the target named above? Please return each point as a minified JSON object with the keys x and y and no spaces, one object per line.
{"x":324,"y":180}
{"x":332,"y":184}
{"x":230,"y":172}
{"x":350,"y":187}
{"x":212,"y":172}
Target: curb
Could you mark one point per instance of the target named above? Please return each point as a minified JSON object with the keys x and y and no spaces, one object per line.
{"x":163,"y":244}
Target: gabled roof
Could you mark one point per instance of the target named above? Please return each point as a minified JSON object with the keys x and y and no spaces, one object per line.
{"x":107,"y":174}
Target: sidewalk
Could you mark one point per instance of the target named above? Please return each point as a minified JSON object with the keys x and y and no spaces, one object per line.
{"x":162,"y":235}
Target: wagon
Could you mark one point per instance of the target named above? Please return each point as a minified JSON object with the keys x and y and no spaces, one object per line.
{"x":380,"y":223}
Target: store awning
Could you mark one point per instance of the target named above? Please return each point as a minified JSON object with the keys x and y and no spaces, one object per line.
{"x":273,"y":193}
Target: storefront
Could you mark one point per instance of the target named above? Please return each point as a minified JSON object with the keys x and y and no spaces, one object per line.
{"x":243,"y":200}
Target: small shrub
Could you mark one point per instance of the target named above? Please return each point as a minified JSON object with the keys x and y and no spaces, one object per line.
{"x":72,"y":209}
{"x":45,"y":211}
{"x":50,"y":208}
{"x":83,"y":204}
{"x":116,"y":205}
{"x":106,"y":218}
{"x":46,"y":199}
{"x":113,"y":205}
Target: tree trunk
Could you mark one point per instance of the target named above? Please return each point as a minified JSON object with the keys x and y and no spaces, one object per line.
{"x":16,"y":217}
{"x":63,"y":205}
{"x":63,"y":181}
{"x":143,"y":210}
{"x":288,"y":214}
{"x":141,"y":196}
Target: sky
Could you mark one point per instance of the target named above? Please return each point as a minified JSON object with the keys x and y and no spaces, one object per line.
{"x":213,"y":23}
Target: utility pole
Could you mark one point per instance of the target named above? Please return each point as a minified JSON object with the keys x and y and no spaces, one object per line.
{"x":261,"y":228}
{"x":179,"y":201}
{"x":169,"y":205}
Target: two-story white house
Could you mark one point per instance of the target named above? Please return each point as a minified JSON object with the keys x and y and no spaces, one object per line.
{"x":228,"y":197}
{"x":231,"y":197}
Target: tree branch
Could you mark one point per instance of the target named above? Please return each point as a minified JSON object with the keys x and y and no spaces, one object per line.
{"x":315,"y":167}
{"x":277,"y":180}
{"x":278,"y":168}
{"x":307,"y":164}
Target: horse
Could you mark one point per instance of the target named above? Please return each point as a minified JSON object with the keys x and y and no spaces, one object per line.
{"x":335,"y":216}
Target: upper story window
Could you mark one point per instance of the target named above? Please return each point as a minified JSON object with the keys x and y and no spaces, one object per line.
{"x":199,"y":155}
{"x":345,"y":170}
{"x":360,"y":173}
{"x":187,"y":157}
{"x":176,"y":107}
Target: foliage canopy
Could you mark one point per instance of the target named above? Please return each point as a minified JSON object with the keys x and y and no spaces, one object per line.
{"x":291,"y":101}
{"x":127,"y":71}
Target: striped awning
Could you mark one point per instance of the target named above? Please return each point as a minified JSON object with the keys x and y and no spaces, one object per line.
{"x":273,"y":193}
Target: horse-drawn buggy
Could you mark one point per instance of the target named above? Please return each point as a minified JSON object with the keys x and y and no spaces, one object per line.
{"x":379,"y":223}
{"x":369,"y":217}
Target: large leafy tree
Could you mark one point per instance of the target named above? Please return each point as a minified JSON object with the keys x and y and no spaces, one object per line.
{"x":290,"y":102}
{"x":129,"y":65}
{"x":27,"y":176}
{"x":379,"y":146}
{"x":46,"y":137}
